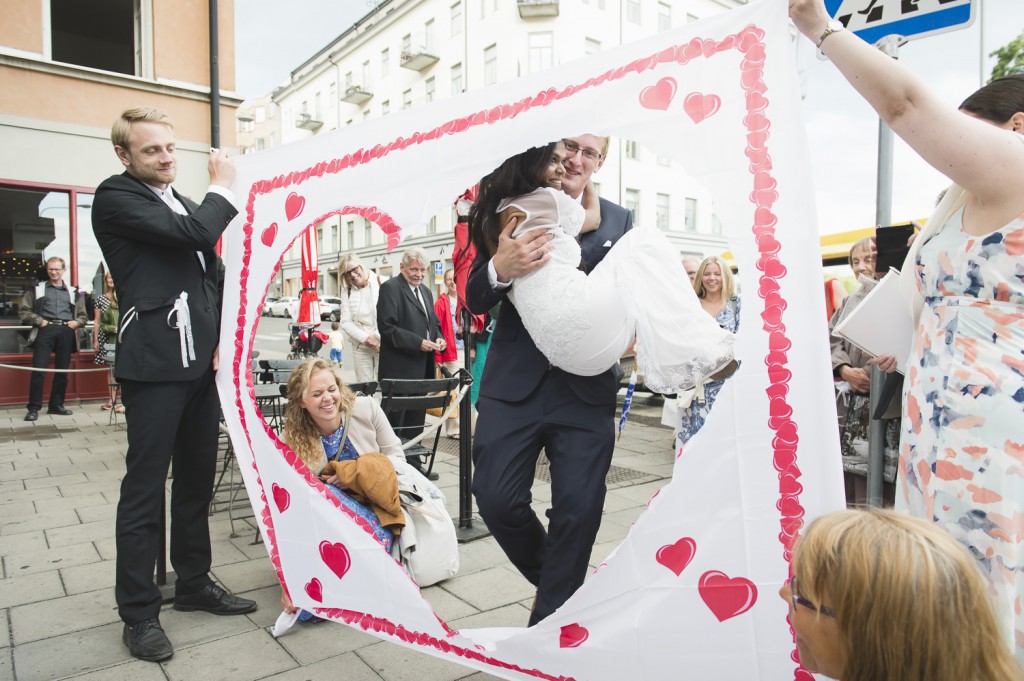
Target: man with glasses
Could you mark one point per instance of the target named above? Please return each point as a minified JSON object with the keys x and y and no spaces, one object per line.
{"x":526,"y":405}
{"x":357,"y":316}
{"x":410,"y":335}
{"x":55,"y":313}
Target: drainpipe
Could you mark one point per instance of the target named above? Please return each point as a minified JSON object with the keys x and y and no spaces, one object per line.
{"x":214,"y":78}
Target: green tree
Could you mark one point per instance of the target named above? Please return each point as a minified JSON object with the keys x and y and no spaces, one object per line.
{"x":1009,"y":58}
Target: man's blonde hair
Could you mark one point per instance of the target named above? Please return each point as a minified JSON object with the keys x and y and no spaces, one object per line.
{"x":139,"y":114}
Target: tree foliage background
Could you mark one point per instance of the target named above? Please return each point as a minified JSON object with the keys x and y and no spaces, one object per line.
{"x":1009,"y":58}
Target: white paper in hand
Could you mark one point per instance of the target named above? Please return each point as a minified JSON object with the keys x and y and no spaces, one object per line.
{"x":880,"y":325}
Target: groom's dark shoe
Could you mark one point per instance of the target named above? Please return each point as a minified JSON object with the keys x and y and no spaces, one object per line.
{"x":212,"y":598}
{"x":146,"y":640}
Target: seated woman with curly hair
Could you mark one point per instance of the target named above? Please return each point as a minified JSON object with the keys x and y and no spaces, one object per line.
{"x":882,"y":595}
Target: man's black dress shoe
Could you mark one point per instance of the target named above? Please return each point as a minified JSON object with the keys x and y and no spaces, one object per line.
{"x":212,"y":598}
{"x":147,"y":640}
{"x":60,"y":410}
{"x":32,"y":415}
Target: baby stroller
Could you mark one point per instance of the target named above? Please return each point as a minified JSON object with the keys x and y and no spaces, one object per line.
{"x":306,"y":343}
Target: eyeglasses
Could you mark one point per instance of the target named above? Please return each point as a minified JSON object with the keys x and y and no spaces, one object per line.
{"x":571,"y":148}
{"x":348,"y":272}
{"x":800,"y":600}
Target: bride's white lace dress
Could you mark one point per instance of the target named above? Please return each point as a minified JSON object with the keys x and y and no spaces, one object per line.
{"x":583,"y":324}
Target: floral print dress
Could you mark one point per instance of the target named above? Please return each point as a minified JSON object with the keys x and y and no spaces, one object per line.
{"x":962,"y":447}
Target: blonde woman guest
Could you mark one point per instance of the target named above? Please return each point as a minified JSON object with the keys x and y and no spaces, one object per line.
{"x":105,"y":322}
{"x":716,"y":289}
{"x":961,"y":443}
{"x":881,"y":595}
{"x":446,"y":306}
{"x":358,"y":316}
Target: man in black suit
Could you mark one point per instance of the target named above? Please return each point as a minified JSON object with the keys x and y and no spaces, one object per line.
{"x":407,"y":322}
{"x":159,"y":246}
{"x":526,"y":404}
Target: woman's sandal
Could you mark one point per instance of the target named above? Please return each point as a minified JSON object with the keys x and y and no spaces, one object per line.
{"x":119,"y":409}
{"x":107,"y":405}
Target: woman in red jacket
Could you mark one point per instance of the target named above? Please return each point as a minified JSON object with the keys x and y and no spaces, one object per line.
{"x":446,"y":307}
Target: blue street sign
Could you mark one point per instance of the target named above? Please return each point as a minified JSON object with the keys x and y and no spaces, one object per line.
{"x":438,"y":269}
{"x":873,"y":20}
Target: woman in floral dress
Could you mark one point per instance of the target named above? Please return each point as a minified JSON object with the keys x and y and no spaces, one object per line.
{"x":962,"y":446}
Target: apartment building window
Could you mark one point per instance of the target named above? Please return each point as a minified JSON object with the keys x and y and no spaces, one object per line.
{"x":350,"y":231}
{"x":407,"y":99}
{"x":348,"y":80}
{"x":385,"y":107}
{"x":407,"y":43}
{"x":716,"y":224}
{"x":316,"y":107}
{"x":332,"y":95}
{"x":491,"y":65}
{"x":633,"y":11}
{"x":591,"y":46}
{"x":432,"y":225}
{"x":662,"y":214}
{"x":690,"y":18}
{"x":457,"y":18}
{"x":367,"y":232}
{"x":320,"y":239}
{"x":272,"y":140}
{"x":456,"y":79}
{"x":334,"y":237}
{"x":100,"y":35}
{"x":541,"y":50}
{"x":488,"y":6}
{"x":597,"y":187}
{"x":366,"y":76}
{"x":631,"y":202}
{"x":428,"y":36}
{"x":631,"y":150}
{"x":260,"y":114}
{"x":690,"y":216}
{"x":429,"y":87}
{"x":664,"y":16}
{"x":385,"y":62}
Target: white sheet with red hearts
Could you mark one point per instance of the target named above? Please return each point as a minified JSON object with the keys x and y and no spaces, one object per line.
{"x":692,"y":591}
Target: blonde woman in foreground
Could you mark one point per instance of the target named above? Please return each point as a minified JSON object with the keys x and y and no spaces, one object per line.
{"x":881,"y":596}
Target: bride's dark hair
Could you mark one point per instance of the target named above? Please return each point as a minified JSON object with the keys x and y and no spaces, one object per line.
{"x":518,"y":175}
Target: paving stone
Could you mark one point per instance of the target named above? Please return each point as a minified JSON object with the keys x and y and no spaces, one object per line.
{"x":24,"y":473}
{"x":50,"y":559}
{"x":106,"y":512}
{"x":40,"y":521}
{"x":136,"y":670}
{"x":84,"y":578}
{"x":43,"y":586}
{"x":309,"y":643}
{"x":479,"y":555}
{"x":479,"y":676}
{"x":490,"y":588}
{"x":446,"y":605}
{"x":262,"y":656}
{"x":513,"y":615}
{"x":246,"y":575}
{"x":57,"y":481}
{"x":347,"y":666}
{"x":196,"y":628}
{"x":46,"y":619}
{"x":74,"y":503}
{"x":5,"y":629}
{"x":105,"y":475}
{"x":21,"y":543}
{"x":78,"y":534}
{"x":268,"y":601}
{"x":398,"y":663}
{"x":49,"y":659}
{"x":6,"y":665}
{"x":106,"y":548}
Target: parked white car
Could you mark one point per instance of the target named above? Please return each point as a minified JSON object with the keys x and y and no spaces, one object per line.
{"x":285,"y":307}
{"x":329,"y":308}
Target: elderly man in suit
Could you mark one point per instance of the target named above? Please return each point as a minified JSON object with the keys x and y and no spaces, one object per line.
{"x":407,"y":323}
{"x":526,"y":405}
{"x":160,"y":249}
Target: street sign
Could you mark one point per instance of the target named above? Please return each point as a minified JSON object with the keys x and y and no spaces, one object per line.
{"x":873,"y":20}
{"x":438,"y":269}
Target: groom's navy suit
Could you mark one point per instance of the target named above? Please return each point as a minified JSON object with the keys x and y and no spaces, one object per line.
{"x":526,"y":405}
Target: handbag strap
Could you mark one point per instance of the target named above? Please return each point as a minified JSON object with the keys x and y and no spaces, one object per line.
{"x":341,"y":440}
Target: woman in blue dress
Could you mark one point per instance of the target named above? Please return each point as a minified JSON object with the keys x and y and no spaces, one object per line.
{"x":716,"y":289}
{"x":327,"y":422}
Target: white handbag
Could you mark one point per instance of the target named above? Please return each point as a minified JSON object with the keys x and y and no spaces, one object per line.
{"x":428,"y":546}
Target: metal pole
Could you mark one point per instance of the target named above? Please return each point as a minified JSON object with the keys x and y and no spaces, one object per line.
{"x":890,"y":45}
{"x":214,"y":77}
{"x":466,"y":530}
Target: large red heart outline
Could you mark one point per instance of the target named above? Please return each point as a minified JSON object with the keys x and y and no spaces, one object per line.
{"x":726,"y":597}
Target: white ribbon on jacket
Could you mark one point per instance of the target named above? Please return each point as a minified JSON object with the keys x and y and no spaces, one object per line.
{"x":184,"y":327}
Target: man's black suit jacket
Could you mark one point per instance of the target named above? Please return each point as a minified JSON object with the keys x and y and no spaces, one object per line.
{"x":151,"y":253}
{"x":514,"y":365}
{"x":403,"y":326}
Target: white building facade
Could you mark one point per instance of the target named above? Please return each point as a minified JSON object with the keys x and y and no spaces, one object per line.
{"x":406,"y":53}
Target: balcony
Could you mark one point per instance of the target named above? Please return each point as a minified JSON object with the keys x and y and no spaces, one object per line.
{"x":307,"y":122}
{"x":529,"y":9}
{"x":418,"y":59}
{"x":354,"y":94}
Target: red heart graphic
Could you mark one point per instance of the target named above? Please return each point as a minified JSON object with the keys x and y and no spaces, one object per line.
{"x":315,"y":590}
{"x":677,"y":556}
{"x":293,"y":205}
{"x":725,"y":596}
{"x":572,"y":636}
{"x":269,"y":234}
{"x":281,"y":497}
{"x":336,"y":557}
{"x":658,"y":96}
{"x":699,"y":106}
